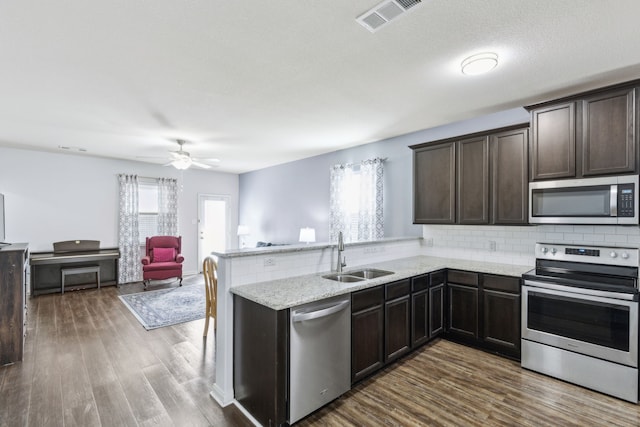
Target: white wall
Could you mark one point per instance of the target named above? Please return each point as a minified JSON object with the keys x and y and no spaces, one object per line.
{"x":52,"y":197}
{"x":515,"y":244}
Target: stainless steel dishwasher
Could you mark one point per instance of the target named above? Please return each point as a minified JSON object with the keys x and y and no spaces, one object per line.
{"x":320,"y":354}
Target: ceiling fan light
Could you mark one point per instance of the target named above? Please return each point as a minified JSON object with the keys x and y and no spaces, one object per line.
{"x":479,"y":63}
{"x":181,"y":163}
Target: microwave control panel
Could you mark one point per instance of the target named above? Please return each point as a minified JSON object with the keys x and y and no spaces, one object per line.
{"x":626,"y":197}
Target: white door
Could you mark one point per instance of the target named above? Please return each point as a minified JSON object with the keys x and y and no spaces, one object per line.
{"x":213,"y":225}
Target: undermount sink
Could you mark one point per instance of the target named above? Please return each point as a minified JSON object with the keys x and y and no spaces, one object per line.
{"x":358,"y":275}
{"x":370,"y":273}
{"x":343,"y":278}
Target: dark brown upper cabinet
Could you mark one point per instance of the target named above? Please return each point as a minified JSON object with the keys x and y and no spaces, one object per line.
{"x":608,"y":133}
{"x":509,"y":177}
{"x":553,"y":142}
{"x":473,"y":181}
{"x":434,"y":183}
{"x":586,"y":135}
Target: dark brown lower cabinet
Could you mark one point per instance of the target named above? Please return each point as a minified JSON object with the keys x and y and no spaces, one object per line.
{"x":397,"y":319}
{"x":427,"y":307}
{"x":501,"y":314}
{"x":380,"y":327}
{"x":367,"y":332}
{"x":436,"y":310}
{"x":462,"y":304}
{"x":463,"y":311}
{"x":420,"y":318}
{"x":484,"y":311}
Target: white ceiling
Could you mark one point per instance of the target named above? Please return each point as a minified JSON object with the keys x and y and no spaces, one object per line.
{"x":259,"y":83}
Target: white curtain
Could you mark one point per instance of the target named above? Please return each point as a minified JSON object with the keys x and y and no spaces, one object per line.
{"x":130,"y":269}
{"x":167,"y":207}
{"x":357,"y":201}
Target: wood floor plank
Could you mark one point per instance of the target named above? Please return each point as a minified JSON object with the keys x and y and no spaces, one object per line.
{"x":16,"y":388}
{"x":79,"y":406}
{"x":178,"y":404}
{"x":45,"y":407}
{"x":199,"y":391}
{"x":113,"y":405}
{"x":145,"y":403}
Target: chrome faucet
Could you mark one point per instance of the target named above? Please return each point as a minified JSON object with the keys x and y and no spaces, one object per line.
{"x":342,"y":261}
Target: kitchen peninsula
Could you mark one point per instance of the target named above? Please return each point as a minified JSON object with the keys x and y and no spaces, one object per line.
{"x":279,"y":278}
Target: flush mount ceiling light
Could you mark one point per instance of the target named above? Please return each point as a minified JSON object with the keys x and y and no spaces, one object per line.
{"x":479,"y":63}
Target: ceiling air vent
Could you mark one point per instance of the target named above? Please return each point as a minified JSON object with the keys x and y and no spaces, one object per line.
{"x":383,"y":13}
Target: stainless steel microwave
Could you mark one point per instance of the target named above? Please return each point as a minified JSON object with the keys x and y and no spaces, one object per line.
{"x":608,"y":200}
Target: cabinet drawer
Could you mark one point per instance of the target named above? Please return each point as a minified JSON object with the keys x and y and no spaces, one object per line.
{"x":420,"y":283}
{"x":367,"y":298}
{"x":502,"y":283}
{"x":462,"y":277}
{"x":437,"y":278}
{"x":397,"y":289}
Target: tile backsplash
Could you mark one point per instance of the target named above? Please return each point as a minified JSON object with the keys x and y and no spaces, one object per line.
{"x":515,"y":244}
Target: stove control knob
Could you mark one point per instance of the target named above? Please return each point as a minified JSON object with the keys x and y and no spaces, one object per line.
{"x":613,"y":254}
{"x":625,"y":255}
{"x":553,"y":251}
{"x":544,"y":250}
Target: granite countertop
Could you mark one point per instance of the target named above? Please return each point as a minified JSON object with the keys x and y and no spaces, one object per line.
{"x":293,"y":291}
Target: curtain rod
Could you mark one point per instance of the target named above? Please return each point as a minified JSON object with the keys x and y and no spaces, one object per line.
{"x":345,"y":165}
{"x":146,"y":177}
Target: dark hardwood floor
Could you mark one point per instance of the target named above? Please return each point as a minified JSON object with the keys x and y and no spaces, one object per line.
{"x":447,"y":384}
{"x":88,"y":362}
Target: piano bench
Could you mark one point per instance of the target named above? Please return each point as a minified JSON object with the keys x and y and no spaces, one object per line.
{"x":81,"y":270}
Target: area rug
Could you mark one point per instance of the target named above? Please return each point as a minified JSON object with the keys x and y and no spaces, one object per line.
{"x":166,"y":307}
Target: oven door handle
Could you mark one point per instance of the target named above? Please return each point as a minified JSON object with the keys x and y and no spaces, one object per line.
{"x":582,"y":291}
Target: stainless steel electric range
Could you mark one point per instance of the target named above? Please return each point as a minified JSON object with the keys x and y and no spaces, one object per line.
{"x":580,"y":317}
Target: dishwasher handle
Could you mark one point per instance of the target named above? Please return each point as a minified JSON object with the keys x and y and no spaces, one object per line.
{"x":300,"y":316}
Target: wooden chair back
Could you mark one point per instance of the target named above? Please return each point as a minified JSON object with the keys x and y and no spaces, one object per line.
{"x":210,"y":271}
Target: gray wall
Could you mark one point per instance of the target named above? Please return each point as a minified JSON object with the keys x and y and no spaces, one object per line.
{"x":276,"y":202}
{"x":53,"y":196}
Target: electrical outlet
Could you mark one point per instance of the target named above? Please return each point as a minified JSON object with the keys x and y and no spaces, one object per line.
{"x":492,"y":245}
{"x":268,"y":262}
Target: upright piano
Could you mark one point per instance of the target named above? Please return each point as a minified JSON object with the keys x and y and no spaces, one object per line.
{"x":46,"y":267}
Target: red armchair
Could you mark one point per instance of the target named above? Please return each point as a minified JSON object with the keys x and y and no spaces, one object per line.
{"x":163,"y":259}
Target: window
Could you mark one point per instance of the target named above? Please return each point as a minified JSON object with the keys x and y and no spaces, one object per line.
{"x":350,"y":200}
{"x":357,"y":201}
{"x":147,"y":209}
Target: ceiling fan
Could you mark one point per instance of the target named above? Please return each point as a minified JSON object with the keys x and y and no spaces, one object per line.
{"x":182,"y":159}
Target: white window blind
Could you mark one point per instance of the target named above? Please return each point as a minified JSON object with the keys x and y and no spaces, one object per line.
{"x":148,"y":209}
